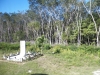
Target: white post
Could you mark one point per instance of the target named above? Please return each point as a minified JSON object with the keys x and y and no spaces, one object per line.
{"x":22,"y":48}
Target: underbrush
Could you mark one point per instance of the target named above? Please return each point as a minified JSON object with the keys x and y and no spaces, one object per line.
{"x":9,"y":46}
{"x":88,"y":49}
{"x":77,"y":56}
{"x":6,"y":48}
{"x":72,"y":55}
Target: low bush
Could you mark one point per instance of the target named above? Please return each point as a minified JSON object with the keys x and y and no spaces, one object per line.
{"x":9,"y":46}
{"x":28,"y":43}
{"x":89,"y":49}
{"x":46,"y":46}
{"x":56,"y":49}
{"x":83,"y":55}
{"x":14,"y":46}
{"x":72,"y":47}
{"x":31,"y":48}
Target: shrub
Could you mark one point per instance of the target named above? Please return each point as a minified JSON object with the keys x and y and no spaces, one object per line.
{"x":56,"y":49}
{"x":72,"y":47}
{"x":28,"y":44}
{"x":3,"y":46}
{"x":9,"y":46}
{"x":15,"y":46}
{"x":31,"y":48}
{"x":89,"y":49}
{"x":46,"y":46}
{"x":40,"y":42}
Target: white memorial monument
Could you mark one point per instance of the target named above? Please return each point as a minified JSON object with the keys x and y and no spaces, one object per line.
{"x":22,"y":54}
{"x":22,"y":48}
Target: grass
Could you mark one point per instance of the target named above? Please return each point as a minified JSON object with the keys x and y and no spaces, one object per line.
{"x":12,"y":68}
{"x":62,"y":66}
{"x":68,"y":61}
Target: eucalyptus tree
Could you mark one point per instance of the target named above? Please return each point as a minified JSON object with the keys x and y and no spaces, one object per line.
{"x":19,"y":26}
{"x":90,"y":12}
{"x":72,"y":15}
{"x":46,"y":10}
{"x":88,"y":31}
{"x":34,"y":26}
{"x":1,"y":26}
{"x":6,"y":27}
{"x":79,"y":19}
{"x":62,"y":20}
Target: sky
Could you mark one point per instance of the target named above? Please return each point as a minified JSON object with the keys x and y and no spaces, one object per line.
{"x":11,"y":6}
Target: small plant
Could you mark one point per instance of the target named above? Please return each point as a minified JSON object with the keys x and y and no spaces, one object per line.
{"x":28,"y":44}
{"x":56,"y":49}
{"x":41,"y":44}
{"x":46,"y":46}
{"x":31,"y":48}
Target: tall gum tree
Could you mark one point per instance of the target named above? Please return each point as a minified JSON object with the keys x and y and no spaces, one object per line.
{"x":95,"y":24}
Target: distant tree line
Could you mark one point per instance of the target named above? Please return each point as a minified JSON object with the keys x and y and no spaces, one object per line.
{"x":60,"y":21}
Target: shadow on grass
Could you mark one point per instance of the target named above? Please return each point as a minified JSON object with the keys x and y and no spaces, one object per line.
{"x":39,"y":74}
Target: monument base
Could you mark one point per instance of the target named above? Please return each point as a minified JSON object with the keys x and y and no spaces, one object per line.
{"x":16,"y":58}
{"x":22,"y":54}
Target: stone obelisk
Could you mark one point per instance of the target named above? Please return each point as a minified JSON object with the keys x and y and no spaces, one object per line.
{"x":22,"y":48}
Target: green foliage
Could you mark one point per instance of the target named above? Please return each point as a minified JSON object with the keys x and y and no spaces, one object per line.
{"x":40,"y":42}
{"x":9,"y":46}
{"x":41,"y":39}
{"x":28,"y":44}
{"x":63,"y":49}
{"x":87,"y":31}
{"x":56,"y":49}
{"x":14,"y":46}
{"x":46,"y":46}
{"x":64,"y":36}
{"x":89,"y":49}
{"x":74,"y":55}
{"x":34,"y":25}
{"x":31,"y":48}
{"x":73,"y":48}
